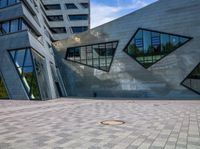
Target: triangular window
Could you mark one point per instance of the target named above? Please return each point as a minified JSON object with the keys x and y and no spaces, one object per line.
{"x":148,"y":47}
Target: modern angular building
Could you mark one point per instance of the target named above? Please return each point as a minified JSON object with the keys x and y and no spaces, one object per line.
{"x":151,"y":53}
{"x":27,"y":30}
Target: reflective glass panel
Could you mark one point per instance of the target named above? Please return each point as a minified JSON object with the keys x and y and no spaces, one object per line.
{"x":39,"y":63}
{"x":3,"y":3}
{"x":3,"y":91}
{"x":71,"y":6}
{"x":23,"y":62}
{"x":11,"y":2}
{"x":19,"y":58}
{"x":98,"y":56}
{"x":5,"y":27}
{"x":148,"y":47}
{"x":192,"y":81}
{"x":14,"y":25}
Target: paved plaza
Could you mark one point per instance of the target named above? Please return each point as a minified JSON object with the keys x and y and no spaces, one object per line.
{"x":76,"y":124}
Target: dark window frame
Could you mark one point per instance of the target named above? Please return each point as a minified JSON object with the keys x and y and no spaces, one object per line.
{"x":52,"y":7}
{"x":91,"y":45}
{"x":53,"y":18}
{"x":85,"y":5}
{"x":55,"y":32}
{"x":84,"y":29}
{"x":78,"y":17}
{"x":70,"y":4}
{"x":160,"y":32}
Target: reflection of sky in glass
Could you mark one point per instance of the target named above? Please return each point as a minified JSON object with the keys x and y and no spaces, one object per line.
{"x":147,"y":40}
{"x":19,"y":58}
{"x":28,"y":60}
{"x":27,"y":69}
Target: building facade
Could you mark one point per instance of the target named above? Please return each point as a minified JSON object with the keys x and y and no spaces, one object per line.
{"x":151,"y":53}
{"x":27,"y":30}
{"x":67,"y":17}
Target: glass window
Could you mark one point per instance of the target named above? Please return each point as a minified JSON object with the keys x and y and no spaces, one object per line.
{"x":147,"y":42}
{"x":52,"y":7}
{"x":58,"y":30}
{"x":3,"y":91}
{"x":83,"y":55}
{"x":14,"y":24}
{"x":39,"y":64}
{"x":3,"y":3}
{"x":95,"y":49}
{"x":71,"y":6}
{"x":85,"y":5}
{"x":78,"y":17}
{"x":32,"y":72}
{"x":24,"y":26}
{"x":165,"y":43}
{"x":27,"y":60}
{"x":109,"y":50}
{"x":70,"y":54}
{"x":19,"y":58}
{"x":55,"y":18}
{"x":5,"y":27}
{"x":11,"y":2}
{"x":174,"y":40}
{"x":79,"y":29}
{"x":99,"y":56}
{"x":192,"y":81}
{"x":148,"y":47}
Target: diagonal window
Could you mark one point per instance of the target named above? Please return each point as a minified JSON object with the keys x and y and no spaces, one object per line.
{"x":28,"y":65}
{"x":39,"y":65}
{"x":98,"y":56}
{"x":3,"y":91}
{"x":148,"y":47}
{"x":192,"y":81}
{"x":24,"y":64}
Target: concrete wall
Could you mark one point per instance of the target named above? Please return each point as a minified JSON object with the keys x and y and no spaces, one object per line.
{"x":127,"y":78}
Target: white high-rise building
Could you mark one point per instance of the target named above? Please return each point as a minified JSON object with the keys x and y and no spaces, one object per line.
{"x":67,"y":17}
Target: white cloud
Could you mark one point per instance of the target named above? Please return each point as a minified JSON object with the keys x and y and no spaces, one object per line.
{"x":101,"y":13}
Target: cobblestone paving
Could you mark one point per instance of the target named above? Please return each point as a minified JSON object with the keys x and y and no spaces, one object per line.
{"x":75,"y":124}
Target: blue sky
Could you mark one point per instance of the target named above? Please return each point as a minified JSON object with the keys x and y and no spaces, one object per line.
{"x":103,"y":11}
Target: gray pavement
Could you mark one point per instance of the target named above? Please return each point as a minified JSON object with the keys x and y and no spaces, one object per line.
{"x":75,"y":124}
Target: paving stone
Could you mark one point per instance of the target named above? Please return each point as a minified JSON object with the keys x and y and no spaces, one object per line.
{"x":75,"y":123}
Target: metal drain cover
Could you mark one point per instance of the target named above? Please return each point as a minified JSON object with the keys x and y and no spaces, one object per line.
{"x":112,"y":122}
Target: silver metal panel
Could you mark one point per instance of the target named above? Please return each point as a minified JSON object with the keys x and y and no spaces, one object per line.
{"x":127,"y":78}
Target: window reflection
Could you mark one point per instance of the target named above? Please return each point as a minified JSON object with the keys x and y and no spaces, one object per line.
{"x":148,"y":47}
{"x":39,"y":63}
{"x":99,"y":56}
{"x":23,"y":62}
{"x":193,"y":80}
{"x":79,"y":29}
{"x":5,"y":3}
{"x":3,"y":91}
{"x":16,"y":25}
